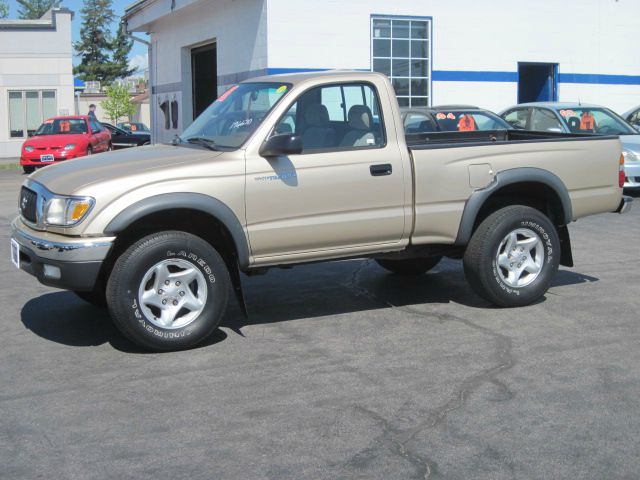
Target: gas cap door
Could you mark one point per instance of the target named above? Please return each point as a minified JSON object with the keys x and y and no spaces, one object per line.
{"x":480,"y":175}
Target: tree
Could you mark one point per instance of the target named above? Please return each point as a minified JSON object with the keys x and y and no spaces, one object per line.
{"x":121,"y":49}
{"x":4,"y":9}
{"x":95,"y":43}
{"x":34,"y":9}
{"x":118,"y":103}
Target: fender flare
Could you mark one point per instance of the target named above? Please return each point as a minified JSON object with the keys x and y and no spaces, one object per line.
{"x":509,"y":177}
{"x":191,"y":201}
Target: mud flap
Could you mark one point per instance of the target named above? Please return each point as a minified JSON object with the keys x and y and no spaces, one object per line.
{"x":234,"y":273}
{"x":566,"y":256}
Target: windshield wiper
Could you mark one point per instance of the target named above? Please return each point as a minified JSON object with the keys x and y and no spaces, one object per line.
{"x":204,"y":141}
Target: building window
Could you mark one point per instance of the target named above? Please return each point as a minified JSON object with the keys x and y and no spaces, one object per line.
{"x":400,"y":48}
{"x":28,"y":109}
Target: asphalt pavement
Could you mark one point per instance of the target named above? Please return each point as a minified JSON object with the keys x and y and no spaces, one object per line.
{"x":341,"y":371}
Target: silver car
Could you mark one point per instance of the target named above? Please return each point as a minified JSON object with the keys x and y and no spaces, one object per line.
{"x":580,"y":118}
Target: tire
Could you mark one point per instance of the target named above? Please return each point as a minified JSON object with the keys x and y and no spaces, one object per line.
{"x":96,"y":297}
{"x":89,"y":150}
{"x":409,"y":266}
{"x":508,"y":277}
{"x":109,"y":147}
{"x":146,"y":266}
{"x":28,"y":169}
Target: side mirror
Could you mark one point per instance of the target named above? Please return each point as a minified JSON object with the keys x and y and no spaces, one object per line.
{"x":287,"y":144}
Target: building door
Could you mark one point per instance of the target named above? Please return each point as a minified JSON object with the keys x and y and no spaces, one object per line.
{"x":537,"y":82}
{"x":204,"y":72}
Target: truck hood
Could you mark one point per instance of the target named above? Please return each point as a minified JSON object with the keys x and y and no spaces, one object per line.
{"x":72,"y":175}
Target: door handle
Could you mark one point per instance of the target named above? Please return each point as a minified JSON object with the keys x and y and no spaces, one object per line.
{"x":381,"y":169}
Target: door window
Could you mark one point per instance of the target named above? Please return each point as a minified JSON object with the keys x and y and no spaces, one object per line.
{"x":544,"y":120}
{"x":335,"y":117}
{"x":517,"y":118}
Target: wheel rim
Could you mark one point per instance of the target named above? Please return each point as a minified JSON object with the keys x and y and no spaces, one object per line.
{"x":520,"y":257}
{"x":172,"y":293}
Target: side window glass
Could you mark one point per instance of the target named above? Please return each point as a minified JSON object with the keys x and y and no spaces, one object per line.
{"x":545,"y":121}
{"x":517,"y":118}
{"x":418,"y":123}
{"x":335,"y":117}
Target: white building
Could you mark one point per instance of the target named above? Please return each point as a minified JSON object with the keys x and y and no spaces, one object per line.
{"x":493,"y":53}
{"x":36,"y":75}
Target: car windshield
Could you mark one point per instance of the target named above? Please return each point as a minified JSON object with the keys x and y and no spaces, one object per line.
{"x":233,"y":117}
{"x":595,"y":120}
{"x":468,"y":120}
{"x":61,"y":126}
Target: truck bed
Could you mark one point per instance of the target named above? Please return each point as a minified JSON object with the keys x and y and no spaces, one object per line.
{"x":416,"y":141}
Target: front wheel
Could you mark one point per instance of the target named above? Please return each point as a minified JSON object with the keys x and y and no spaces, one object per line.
{"x":512,"y":257}
{"x":168,"y":291}
{"x":28,"y":169}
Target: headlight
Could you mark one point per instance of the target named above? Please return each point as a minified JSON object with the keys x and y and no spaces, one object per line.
{"x":631,"y":156}
{"x":66,"y":211}
{"x":28,"y":148}
{"x":70,"y":146}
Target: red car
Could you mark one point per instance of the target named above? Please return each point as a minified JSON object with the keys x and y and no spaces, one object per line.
{"x":62,"y":138}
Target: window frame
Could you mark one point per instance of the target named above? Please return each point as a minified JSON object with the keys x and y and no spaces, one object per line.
{"x":428,"y":40}
{"x":23,"y":94}
{"x":338,"y":148}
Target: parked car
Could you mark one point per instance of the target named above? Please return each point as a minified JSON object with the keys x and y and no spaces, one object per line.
{"x":122,"y":139}
{"x":63,"y":138}
{"x":633,"y":117}
{"x":450,"y":118}
{"x":134,"y":127}
{"x":161,"y":234}
{"x":581,"y":118}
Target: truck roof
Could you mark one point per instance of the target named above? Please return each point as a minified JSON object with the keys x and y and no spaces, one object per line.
{"x":295,"y":78}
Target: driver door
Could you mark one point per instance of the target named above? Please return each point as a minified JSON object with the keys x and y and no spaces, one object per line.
{"x":346,"y":191}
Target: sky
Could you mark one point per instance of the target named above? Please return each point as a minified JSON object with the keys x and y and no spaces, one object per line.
{"x":138,"y":55}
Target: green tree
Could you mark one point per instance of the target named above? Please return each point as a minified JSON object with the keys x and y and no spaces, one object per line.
{"x":118,"y":103}
{"x":95,"y":42}
{"x":121,"y":48}
{"x":4,"y":9}
{"x":34,"y":9}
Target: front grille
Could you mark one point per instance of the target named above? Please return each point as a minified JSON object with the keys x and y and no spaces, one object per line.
{"x":28,"y":203}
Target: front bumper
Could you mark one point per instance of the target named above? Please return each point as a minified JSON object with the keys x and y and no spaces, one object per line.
{"x":33,"y":159}
{"x":70,"y":263}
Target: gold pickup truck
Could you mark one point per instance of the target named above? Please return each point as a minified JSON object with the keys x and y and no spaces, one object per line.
{"x":289,"y":169}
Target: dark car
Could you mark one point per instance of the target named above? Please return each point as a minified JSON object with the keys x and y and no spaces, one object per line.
{"x":122,"y":139}
{"x":134,"y":127}
{"x":450,"y":118}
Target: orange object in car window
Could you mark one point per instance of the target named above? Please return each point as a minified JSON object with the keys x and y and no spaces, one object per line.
{"x":466,"y":123}
{"x":65,"y":126}
{"x":587,"y":122}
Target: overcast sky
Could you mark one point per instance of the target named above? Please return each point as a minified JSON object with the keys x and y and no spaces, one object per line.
{"x":138,"y":56}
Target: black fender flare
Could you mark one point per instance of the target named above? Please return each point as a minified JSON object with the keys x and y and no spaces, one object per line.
{"x":509,"y":177}
{"x":191,"y":201}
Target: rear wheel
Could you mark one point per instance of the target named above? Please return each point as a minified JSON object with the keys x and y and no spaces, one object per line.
{"x":409,"y":266}
{"x":168,"y":291}
{"x":28,"y":169}
{"x":89,"y":150}
{"x":512,"y":257}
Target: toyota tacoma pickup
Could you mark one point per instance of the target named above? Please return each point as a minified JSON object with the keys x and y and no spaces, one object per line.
{"x":290,"y":169}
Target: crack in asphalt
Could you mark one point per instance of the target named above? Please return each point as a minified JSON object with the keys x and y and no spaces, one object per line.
{"x":503,"y":361}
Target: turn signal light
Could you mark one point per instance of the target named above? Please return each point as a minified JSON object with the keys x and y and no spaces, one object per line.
{"x":621,"y":172}
{"x":79,"y":210}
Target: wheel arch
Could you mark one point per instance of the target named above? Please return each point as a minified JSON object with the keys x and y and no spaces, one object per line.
{"x":530,"y":186}
{"x":184,"y":205}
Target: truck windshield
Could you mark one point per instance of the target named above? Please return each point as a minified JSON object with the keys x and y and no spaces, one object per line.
{"x":595,"y":120}
{"x":228,"y":122}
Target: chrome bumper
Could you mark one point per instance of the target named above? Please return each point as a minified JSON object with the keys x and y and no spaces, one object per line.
{"x":625,"y":205}
{"x":58,"y":247}
{"x":59,"y":261}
